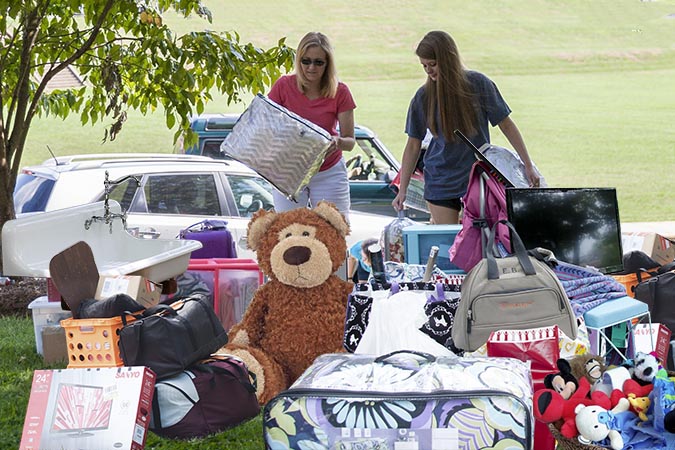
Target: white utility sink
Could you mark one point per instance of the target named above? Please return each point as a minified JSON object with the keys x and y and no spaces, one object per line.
{"x":30,"y":242}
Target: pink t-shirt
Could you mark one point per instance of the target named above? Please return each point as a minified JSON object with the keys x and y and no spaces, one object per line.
{"x":322,"y":111}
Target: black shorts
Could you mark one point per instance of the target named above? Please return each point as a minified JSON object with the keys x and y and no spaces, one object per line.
{"x":452,"y":203}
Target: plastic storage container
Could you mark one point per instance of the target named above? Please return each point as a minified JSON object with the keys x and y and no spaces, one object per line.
{"x":94,"y":342}
{"x":229,"y":282}
{"x":45,"y":313}
{"x":419,"y":239}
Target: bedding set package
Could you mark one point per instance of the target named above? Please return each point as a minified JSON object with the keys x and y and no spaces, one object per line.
{"x":403,"y":400}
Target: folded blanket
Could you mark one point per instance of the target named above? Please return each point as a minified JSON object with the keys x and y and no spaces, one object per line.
{"x":586,"y":288}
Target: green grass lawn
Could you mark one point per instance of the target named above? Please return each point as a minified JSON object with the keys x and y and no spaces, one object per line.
{"x":590,"y":84}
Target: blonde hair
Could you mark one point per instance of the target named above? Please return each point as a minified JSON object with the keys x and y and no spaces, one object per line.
{"x":329,"y":80}
{"x":451,"y":93}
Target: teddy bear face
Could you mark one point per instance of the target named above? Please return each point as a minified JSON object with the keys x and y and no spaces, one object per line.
{"x":299,"y":258}
{"x":301,"y":247}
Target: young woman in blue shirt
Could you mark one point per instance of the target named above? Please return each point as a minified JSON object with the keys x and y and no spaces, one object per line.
{"x":453,"y":97}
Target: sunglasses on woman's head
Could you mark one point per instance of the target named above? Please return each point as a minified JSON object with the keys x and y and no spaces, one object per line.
{"x":316,"y":62}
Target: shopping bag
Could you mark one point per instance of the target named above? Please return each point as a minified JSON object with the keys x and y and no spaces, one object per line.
{"x":416,"y":318}
{"x":359,"y":304}
{"x":540,"y":346}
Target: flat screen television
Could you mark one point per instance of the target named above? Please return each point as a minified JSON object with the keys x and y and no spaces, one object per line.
{"x":80,"y":409}
{"x":579,"y":225}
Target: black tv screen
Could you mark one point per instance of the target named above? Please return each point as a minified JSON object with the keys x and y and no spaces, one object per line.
{"x":579,"y":225}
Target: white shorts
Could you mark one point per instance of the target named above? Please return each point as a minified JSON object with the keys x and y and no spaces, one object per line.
{"x":331,"y":185}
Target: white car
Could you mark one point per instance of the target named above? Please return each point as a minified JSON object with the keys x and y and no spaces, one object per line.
{"x":162,"y":193}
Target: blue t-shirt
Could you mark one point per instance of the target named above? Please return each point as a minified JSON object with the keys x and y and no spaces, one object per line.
{"x":447,"y":165}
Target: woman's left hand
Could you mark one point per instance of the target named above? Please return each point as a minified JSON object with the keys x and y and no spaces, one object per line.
{"x":532,"y":175}
{"x":334,"y":145}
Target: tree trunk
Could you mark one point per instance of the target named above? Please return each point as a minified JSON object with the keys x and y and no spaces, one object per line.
{"x":6,"y":200}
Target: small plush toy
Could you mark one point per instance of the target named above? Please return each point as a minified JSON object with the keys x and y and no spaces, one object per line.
{"x":298,"y":314}
{"x":563,"y":382}
{"x":644,"y":367}
{"x":595,"y":423}
{"x":639,"y":405}
{"x":588,"y":366}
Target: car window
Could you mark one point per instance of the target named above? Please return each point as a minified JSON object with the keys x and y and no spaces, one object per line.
{"x":123,"y":193}
{"x":184,"y":194}
{"x":365,"y":163}
{"x":211,"y":148}
{"x":31,"y":193}
{"x":251,"y":193}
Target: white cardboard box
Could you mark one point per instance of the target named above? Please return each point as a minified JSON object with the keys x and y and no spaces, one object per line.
{"x":104,"y":408}
{"x":45,"y":313}
{"x":137,"y":287}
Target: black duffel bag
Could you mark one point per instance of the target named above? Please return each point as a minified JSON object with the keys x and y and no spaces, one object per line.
{"x":170,"y":338}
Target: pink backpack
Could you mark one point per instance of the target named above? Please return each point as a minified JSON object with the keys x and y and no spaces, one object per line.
{"x":484,"y":204}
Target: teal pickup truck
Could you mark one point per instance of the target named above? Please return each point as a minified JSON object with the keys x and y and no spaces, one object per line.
{"x":370,"y":164}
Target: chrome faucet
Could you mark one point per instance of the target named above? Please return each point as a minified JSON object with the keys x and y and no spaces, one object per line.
{"x":108,"y":217}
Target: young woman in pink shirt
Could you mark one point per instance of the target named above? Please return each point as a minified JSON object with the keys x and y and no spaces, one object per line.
{"x":314,"y":92}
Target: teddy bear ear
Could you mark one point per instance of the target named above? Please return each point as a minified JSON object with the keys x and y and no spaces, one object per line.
{"x":258,"y":226}
{"x":330,"y":213}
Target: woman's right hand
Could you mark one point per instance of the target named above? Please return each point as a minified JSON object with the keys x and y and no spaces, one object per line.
{"x":397,"y":203}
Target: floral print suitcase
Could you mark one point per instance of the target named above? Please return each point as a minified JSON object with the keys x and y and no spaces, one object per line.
{"x":404,"y":401}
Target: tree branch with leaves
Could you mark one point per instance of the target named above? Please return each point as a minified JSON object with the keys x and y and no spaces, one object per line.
{"x":128,"y":58}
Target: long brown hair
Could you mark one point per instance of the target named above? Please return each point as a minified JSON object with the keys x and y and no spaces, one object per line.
{"x":329,"y":80}
{"x":451,"y":92}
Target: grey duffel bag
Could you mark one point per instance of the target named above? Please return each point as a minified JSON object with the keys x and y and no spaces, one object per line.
{"x":514,"y":292}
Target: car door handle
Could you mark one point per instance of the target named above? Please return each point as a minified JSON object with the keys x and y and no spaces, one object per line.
{"x":149,"y":233}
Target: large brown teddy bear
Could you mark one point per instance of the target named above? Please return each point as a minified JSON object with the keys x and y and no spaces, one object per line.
{"x":298,"y":314}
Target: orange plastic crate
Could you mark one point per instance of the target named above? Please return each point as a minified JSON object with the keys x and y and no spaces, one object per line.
{"x":630,"y":280}
{"x":93,"y":342}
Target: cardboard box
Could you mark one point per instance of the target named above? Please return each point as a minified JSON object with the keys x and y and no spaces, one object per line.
{"x":659,"y":248}
{"x":54,"y":344}
{"x":659,"y":341}
{"x":105,"y":408}
{"x":140,"y":289}
{"x":45,"y":313}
